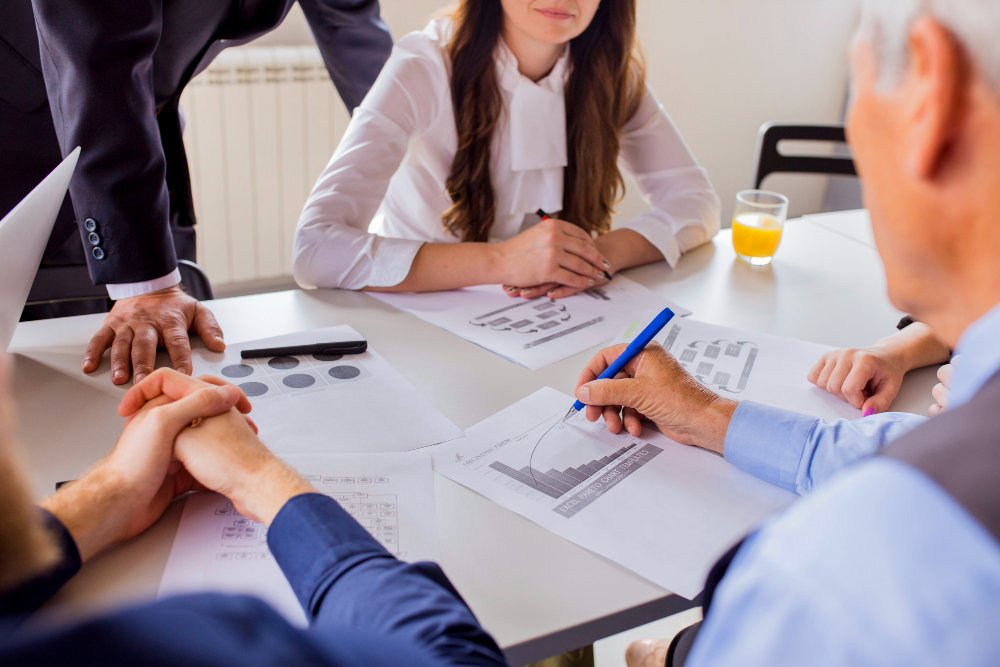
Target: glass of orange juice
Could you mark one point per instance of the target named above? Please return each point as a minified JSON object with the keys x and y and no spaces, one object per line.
{"x":757,"y":224}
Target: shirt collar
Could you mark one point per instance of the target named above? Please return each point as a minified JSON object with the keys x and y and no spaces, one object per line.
{"x":979,"y":358}
{"x":537,"y":112}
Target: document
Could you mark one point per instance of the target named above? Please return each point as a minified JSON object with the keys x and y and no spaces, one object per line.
{"x":663,"y":510}
{"x":745,"y":365}
{"x":217,"y":549}
{"x":537,"y":332}
{"x":323,"y":403}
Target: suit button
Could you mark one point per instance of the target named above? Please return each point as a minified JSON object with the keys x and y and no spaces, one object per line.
{"x":94,"y":238}
{"x":98,"y":253}
{"x":90,"y":225}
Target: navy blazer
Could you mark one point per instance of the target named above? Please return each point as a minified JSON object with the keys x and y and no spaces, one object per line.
{"x":113,"y":76}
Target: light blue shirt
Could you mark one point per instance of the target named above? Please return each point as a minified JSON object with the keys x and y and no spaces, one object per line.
{"x":878,"y":566}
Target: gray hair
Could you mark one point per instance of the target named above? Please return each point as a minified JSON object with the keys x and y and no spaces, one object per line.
{"x":975,"y":23}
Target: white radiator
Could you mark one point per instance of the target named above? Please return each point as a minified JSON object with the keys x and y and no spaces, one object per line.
{"x":261,"y":125}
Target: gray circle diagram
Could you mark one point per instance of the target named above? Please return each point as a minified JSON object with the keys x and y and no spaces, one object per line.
{"x":237,"y":371}
{"x":283,"y":363}
{"x":299,"y":381}
{"x":328,"y":357}
{"x":252,"y":389}
{"x":344,"y":372}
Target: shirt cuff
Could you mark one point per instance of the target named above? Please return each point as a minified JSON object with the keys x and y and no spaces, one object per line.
{"x":314,"y":540}
{"x":391,"y":261}
{"x":126,"y":290}
{"x":768,"y":442}
{"x":659,"y":234}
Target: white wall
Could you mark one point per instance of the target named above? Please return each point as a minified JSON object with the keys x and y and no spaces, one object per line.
{"x":721,"y":68}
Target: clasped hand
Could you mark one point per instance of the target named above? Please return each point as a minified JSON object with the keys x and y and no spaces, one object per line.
{"x":553,"y":258}
{"x":181,"y":434}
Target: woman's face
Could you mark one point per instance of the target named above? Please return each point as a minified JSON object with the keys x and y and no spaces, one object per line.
{"x":550,"y":21}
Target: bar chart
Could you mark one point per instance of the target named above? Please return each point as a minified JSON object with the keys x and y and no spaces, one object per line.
{"x":557,"y":483}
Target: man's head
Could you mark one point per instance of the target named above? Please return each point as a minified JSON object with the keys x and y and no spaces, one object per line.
{"x":25,"y":547}
{"x":924,"y":127}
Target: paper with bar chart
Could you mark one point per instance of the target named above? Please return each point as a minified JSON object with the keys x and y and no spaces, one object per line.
{"x":536,"y":332}
{"x":663,"y":510}
{"x":328,"y":403}
{"x":747,"y":365}
{"x":218,"y":549}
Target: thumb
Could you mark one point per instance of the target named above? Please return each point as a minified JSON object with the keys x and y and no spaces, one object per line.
{"x":207,"y":402}
{"x":880,"y":401}
{"x":608,"y":392}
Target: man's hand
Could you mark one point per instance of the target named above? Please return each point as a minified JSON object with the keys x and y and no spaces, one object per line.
{"x":124,"y":493}
{"x":653,"y":385}
{"x":223,"y":454}
{"x":136,"y":326}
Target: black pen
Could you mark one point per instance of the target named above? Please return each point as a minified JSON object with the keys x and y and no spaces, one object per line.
{"x":545,"y":216}
{"x":343,"y":347}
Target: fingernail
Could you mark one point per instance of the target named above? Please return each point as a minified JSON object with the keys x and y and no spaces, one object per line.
{"x":511,"y":289}
{"x":527,"y":291}
{"x":869,"y":411}
{"x":551,"y":294}
{"x":607,"y":264}
{"x":219,"y":338}
{"x":591,"y":281}
{"x":583,"y":393}
{"x":118,"y":374}
{"x":139,"y":377}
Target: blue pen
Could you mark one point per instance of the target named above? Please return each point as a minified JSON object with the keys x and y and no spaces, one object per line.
{"x":634,"y":348}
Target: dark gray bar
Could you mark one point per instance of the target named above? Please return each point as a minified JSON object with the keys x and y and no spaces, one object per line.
{"x":545,"y":479}
{"x":671,"y":337}
{"x":746,"y":369}
{"x":502,"y":310}
{"x":525,"y":479}
{"x":562,"y":477}
{"x":607,"y":481}
{"x":597,"y":320}
{"x":575,"y":474}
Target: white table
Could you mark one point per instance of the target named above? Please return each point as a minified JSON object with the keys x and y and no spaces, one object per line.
{"x":523,"y":582}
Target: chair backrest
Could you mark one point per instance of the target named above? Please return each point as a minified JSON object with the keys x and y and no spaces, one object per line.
{"x":768,"y":160}
{"x":194,"y":280}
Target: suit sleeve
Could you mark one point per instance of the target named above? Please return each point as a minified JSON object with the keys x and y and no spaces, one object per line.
{"x":97,"y":58}
{"x":354,"y":41}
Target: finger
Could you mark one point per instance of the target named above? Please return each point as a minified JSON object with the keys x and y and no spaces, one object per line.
{"x":537,"y":290}
{"x":593,"y":412}
{"x":175,"y":416}
{"x":95,"y":349}
{"x":121,"y":353}
{"x":175,"y":339}
{"x":512,"y":290}
{"x":935,"y":410}
{"x":562,"y":292}
{"x":143,"y":352}
{"x":880,"y":401}
{"x":633,"y":421}
{"x":854,"y":385}
{"x":610,"y":392}
{"x":244,"y":405}
{"x":835,"y":383}
{"x":612,"y":418}
{"x":944,"y":374}
{"x":208,"y":328}
{"x":573,"y":263}
{"x":588,"y":252}
{"x":940,"y":394}
{"x":565,"y":277}
{"x":168,"y":382}
{"x":599,"y":363}
{"x":817,"y":368}
{"x":252,"y":424}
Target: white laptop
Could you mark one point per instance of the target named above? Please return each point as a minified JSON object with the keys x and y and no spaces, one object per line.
{"x":24,"y":233}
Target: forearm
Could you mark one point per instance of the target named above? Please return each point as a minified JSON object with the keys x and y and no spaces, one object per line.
{"x":445,"y":266}
{"x":85,"y":507}
{"x":915,"y":347}
{"x":626,"y":248}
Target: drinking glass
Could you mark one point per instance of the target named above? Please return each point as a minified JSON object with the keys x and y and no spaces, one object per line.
{"x":757,"y":223}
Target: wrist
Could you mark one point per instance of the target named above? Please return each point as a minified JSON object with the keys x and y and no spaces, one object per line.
{"x":495,"y":261}
{"x":87,"y":508}
{"x":715,"y":425}
{"x":262,"y":495}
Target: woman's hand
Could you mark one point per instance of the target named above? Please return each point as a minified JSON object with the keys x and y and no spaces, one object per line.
{"x":653,"y":385}
{"x":124,"y":493}
{"x":869,"y":378}
{"x":940,"y":390}
{"x":548,"y":256}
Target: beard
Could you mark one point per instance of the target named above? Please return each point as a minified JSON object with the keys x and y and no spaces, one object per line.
{"x":26,"y":547}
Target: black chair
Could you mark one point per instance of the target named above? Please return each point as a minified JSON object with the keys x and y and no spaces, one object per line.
{"x":768,"y":160}
{"x":194,"y":280}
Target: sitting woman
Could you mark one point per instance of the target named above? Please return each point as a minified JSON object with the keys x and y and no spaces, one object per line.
{"x":483,"y":118}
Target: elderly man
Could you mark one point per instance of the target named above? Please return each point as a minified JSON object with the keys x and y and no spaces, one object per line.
{"x":896,"y":560}
{"x":365,"y":607}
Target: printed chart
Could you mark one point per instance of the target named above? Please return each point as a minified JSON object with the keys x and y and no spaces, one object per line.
{"x":217,"y":548}
{"x":721,"y":364}
{"x":261,"y":379}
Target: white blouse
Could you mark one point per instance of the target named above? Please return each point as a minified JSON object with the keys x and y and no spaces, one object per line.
{"x":383,"y":192}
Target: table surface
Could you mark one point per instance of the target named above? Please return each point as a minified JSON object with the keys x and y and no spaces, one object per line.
{"x":825,"y":285}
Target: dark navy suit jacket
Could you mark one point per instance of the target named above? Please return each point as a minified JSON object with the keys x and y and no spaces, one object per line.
{"x":113,"y":76}
{"x":365,"y":608}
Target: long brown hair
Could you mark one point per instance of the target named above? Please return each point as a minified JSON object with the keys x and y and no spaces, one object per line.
{"x":605,"y":86}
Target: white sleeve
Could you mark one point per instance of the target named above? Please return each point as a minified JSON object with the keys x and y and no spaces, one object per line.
{"x":127,"y":290}
{"x":684,"y":208}
{"x":332,"y":245}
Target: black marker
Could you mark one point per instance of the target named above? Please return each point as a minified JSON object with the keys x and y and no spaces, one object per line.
{"x":343,"y":347}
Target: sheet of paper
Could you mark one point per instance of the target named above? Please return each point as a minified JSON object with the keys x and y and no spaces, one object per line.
{"x":748,"y":365}
{"x":533,"y":333}
{"x":217,"y":549}
{"x":317,"y":403}
{"x":663,"y":510}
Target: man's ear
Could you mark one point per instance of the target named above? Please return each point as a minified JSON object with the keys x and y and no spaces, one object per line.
{"x":933,"y":95}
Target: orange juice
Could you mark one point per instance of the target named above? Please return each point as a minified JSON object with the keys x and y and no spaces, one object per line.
{"x":756,"y":236}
